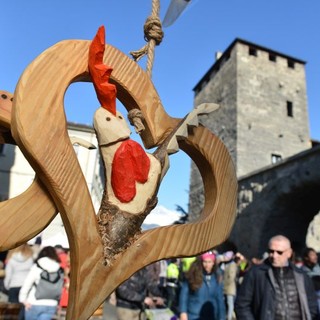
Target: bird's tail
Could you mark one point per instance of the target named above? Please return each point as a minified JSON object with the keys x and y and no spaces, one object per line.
{"x":191,"y":120}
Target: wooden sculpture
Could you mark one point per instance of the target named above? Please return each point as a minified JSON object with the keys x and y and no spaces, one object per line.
{"x":132,"y":176}
{"x":101,"y":260}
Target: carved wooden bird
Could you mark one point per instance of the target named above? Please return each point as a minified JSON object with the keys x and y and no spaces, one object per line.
{"x":132,"y":176}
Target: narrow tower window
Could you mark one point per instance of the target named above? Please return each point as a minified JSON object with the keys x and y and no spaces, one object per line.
{"x":253,"y":51}
{"x":290,"y":64}
{"x":272,"y":57}
{"x":275,"y":158}
{"x":289,"y":109}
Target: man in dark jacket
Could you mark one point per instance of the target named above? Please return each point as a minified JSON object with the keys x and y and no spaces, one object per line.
{"x":312,"y":269}
{"x":276,"y":289}
{"x":133,"y":294}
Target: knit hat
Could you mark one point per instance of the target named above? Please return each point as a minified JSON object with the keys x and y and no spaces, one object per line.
{"x":228,"y":255}
{"x":208,"y":255}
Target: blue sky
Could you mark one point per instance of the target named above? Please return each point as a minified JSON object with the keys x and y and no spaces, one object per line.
{"x":27,"y":28}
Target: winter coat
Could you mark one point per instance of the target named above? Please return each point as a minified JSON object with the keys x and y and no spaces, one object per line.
{"x":314,"y":273}
{"x":206,"y":303}
{"x":28,"y":290}
{"x":17,"y":269}
{"x":256,"y":297}
{"x":131,"y":293}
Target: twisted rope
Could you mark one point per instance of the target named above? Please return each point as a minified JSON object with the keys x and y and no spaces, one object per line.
{"x":153,"y":34}
{"x":136,"y":118}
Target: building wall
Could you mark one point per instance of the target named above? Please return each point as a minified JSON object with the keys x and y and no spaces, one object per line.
{"x":220,"y":88}
{"x":263,"y":125}
{"x":16,"y":175}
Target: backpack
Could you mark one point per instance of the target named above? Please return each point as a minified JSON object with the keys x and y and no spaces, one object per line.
{"x":50,"y":285}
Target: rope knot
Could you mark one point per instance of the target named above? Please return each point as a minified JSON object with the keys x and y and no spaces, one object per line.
{"x":136,"y":118}
{"x":153,"y":30}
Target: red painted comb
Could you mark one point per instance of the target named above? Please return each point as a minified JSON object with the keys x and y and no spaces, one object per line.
{"x":100,"y":73}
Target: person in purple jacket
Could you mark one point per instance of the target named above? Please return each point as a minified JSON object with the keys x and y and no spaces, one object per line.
{"x":201,"y":296}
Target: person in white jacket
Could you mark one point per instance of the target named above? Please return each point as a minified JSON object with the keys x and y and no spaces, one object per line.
{"x":19,"y":263}
{"x":39,"y":309}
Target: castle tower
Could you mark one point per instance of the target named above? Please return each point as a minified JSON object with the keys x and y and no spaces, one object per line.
{"x":263,"y":115}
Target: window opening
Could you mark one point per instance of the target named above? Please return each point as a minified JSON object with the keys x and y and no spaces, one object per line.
{"x":289,"y":109}
{"x":275,"y":158}
{"x":290,"y":64}
{"x":253,"y":51}
{"x":272,"y":57}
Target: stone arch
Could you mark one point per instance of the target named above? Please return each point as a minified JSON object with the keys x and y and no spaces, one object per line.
{"x":292,"y":214}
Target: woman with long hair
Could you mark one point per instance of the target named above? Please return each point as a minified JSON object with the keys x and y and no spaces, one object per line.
{"x":19,"y":263}
{"x":40,"y":308}
{"x":201,"y":296}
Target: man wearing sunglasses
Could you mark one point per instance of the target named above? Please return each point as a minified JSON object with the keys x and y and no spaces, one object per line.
{"x":276,"y":289}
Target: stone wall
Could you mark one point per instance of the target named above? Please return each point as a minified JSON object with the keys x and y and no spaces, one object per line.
{"x":279,"y":199}
{"x":263,"y":125}
{"x":220,"y":89}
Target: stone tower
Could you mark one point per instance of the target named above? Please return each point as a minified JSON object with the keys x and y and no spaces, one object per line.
{"x":263,"y":115}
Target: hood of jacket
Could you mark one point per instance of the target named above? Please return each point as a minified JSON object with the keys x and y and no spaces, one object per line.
{"x":19,"y":257}
{"x":48,"y":264}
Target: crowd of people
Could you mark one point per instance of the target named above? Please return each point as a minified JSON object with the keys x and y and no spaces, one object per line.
{"x":226,"y":286}
{"x":211,"y":286}
{"x":25,"y":267}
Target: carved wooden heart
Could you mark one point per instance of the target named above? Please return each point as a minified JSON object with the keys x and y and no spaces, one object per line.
{"x":39,"y":128}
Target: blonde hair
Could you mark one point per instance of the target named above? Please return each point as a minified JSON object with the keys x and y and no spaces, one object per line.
{"x":24,"y":249}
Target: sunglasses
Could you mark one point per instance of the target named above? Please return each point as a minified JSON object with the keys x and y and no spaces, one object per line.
{"x":276,"y":251}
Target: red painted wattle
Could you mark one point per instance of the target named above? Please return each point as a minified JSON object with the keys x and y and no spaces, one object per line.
{"x":130,"y":165}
